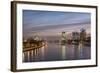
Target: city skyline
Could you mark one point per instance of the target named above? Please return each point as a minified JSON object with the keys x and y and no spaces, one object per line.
{"x":46,"y":23}
{"x":56,"y":35}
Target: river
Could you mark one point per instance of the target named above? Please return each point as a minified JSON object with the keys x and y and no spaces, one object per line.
{"x":58,"y":52}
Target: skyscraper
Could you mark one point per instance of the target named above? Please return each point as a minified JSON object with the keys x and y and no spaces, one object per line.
{"x":63,"y":38}
{"x":82,"y":34}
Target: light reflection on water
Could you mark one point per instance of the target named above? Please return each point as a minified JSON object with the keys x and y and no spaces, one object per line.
{"x":57,"y":52}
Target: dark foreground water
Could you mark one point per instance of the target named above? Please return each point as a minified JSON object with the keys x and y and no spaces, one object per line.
{"x":57,"y":52}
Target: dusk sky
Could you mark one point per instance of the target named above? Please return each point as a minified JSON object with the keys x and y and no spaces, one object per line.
{"x":46,"y":23}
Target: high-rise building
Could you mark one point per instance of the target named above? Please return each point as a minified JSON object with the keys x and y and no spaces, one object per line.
{"x":82,"y":34}
{"x":63,"y":38}
{"x":75,"y":36}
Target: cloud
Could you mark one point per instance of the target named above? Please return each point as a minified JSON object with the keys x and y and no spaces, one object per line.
{"x":44,"y":22}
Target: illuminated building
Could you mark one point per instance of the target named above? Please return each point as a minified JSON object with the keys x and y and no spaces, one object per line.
{"x":63,"y":38}
{"x":75,"y":36}
{"x":82,"y":35}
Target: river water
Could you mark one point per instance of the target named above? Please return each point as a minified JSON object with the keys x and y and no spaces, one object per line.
{"x":58,"y":52}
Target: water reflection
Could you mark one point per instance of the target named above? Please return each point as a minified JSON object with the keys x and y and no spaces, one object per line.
{"x":80,"y":50}
{"x":55,"y":52}
{"x":63,"y":51}
{"x":42,"y":53}
{"x":77,"y":51}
